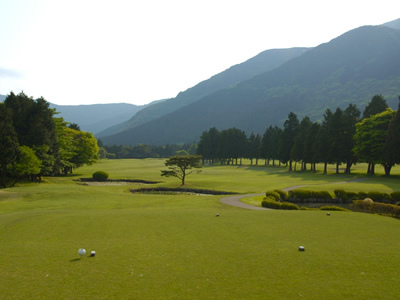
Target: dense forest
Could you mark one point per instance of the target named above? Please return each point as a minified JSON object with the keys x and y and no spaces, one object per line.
{"x":35,"y":143}
{"x":343,"y":137}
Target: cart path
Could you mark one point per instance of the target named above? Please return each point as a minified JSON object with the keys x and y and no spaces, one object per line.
{"x":235,"y":200}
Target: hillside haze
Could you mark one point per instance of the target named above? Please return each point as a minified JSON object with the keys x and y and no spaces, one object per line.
{"x":349,"y":69}
{"x":265,"y":61}
{"x":97,"y":117}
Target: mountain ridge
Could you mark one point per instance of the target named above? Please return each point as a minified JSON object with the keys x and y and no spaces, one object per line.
{"x":96,"y":117}
{"x":349,"y":69}
{"x":262,"y":62}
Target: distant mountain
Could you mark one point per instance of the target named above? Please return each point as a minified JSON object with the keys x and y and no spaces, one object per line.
{"x":349,"y":69}
{"x":125,"y":124}
{"x":393,"y":24}
{"x":261,"y":63}
{"x":97,"y":117}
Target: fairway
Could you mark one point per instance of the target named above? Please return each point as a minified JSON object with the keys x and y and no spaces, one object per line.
{"x":175,"y":247}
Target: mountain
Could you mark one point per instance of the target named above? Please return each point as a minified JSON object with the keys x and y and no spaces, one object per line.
{"x":119,"y":127}
{"x":97,"y":117}
{"x":349,"y":69}
{"x":261,"y":63}
{"x":393,"y":24}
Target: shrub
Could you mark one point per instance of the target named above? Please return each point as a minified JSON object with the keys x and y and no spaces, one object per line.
{"x":100,"y":176}
{"x":304,"y":194}
{"x":288,"y":206}
{"x":361,"y":195}
{"x":395,"y":197}
{"x":331,"y":207}
{"x":283,"y":194}
{"x":269,"y":202}
{"x":341,"y":194}
{"x":376,"y":196}
{"x":376,"y":208}
{"x":380,"y":197}
{"x":273,"y":194}
{"x":348,"y":197}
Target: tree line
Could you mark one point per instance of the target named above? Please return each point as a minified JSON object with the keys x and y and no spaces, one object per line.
{"x":35,"y":143}
{"x":145,"y":151}
{"x":342,"y":137}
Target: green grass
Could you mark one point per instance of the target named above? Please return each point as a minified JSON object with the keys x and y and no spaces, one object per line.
{"x":174,"y":246}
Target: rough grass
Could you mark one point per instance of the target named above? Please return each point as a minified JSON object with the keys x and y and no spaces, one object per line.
{"x":174,"y":246}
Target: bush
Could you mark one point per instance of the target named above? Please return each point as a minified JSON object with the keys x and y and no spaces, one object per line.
{"x":283,"y":195}
{"x":380,"y":197}
{"x":273,"y":194}
{"x":288,"y":206}
{"x":347,"y":197}
{"x":341,"y":194}
{"x":395,"y":197}
{"x":331,"y":208}
{"x":100,"y":176}
{"x":269,"y":202}
{"x":376,"y":208}
{"x":304,"y":195}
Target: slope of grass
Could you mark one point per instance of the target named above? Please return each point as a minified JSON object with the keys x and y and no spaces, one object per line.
{"x":174,"y":246}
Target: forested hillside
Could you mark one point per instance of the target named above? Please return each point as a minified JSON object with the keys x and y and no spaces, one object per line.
{"x":263,"y":62}
{"x":349,"y":69}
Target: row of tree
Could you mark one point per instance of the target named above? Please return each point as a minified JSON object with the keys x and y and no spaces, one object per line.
{"x":34,"y":143}
{"x":145,"y":151}
{"x":343,"y":137}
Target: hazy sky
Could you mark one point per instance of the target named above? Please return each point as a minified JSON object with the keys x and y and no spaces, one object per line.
{"x":94,"y":51}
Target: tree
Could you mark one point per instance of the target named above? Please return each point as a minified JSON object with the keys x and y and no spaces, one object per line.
{"x":270,"y":144}
{"x":336,"y":137}
{"x":9,"y":149}
{"x":311,"y":146}
{"x":371,"y":139}
{"x":351,"y":116}
{"x":35,"y":127}
{"x":393,"y":138}
{"x":375,"y":106}
{"x":28,"y":165}
{"x":290,"y":128}
{"x":74,"y":126}
{"x":76,"y":148}
{"x":208,"y":145}
{"x":299,"y":145}
{"x":323,"y":141}
{"x":181,"y":166}
{"x":86,"y":148}
{"x":254,"y":147}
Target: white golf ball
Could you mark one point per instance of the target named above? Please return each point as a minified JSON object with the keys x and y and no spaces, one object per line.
{"x":81,"y":252}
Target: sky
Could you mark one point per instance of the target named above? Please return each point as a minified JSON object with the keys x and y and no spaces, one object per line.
{"x":74,"y":52}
